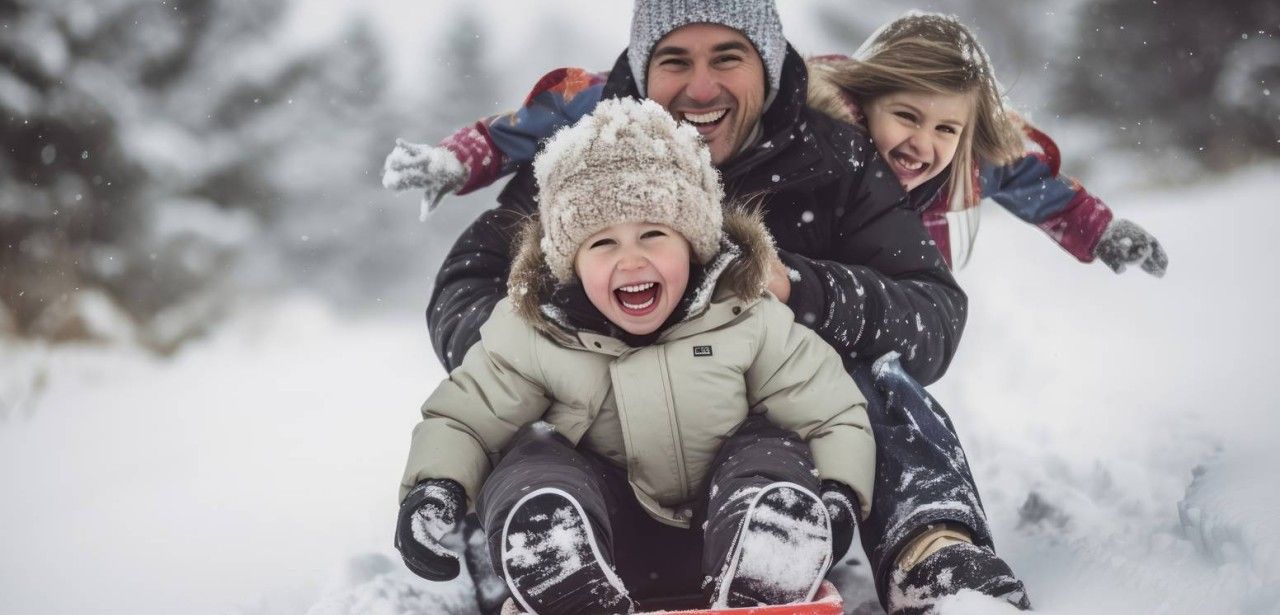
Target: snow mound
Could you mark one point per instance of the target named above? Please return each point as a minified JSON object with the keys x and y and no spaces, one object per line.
{"x":1229,"y":515}
{"x":399,"y":593}
{"x":969,"y":602}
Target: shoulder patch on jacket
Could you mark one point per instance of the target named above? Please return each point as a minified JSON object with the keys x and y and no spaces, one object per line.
{"x":568,"y":82}
{"x":701,"y":351}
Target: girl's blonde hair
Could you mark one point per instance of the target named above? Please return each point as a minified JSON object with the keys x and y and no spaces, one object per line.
{"x":927,"y":52}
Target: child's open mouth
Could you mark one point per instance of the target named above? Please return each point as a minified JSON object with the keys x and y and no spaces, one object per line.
{"x":638,"y":299}
{"x":706,"y":123}
{"x":906,"y":167}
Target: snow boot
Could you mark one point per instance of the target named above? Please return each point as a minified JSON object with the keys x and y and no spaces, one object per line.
{"x":552,"y":562}
{"x":782,"y":550}
{"x":915,"y":590}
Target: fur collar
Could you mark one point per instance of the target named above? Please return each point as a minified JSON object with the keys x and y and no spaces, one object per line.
{"x":741,"y":268}
{"x":828,"y":97}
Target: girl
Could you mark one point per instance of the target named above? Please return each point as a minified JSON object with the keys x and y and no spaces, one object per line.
{"x":924,"y":89}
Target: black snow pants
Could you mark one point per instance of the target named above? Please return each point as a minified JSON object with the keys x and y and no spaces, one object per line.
{"x":655,"y":561}
{"x":922,"y":474}
{"x":922,"y":477}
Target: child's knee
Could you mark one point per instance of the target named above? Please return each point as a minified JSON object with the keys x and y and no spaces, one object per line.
{"x":537,"y":438}
{"x":764,"y":454}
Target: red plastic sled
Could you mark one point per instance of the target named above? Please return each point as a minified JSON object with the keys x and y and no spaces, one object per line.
{"x":826,"y":602}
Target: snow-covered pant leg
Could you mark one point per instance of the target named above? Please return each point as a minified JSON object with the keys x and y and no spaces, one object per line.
{"x":922,"y":474}
{"x":759,"y":455}
{"x":653,"y":559}
{"x":548,"y":525}
{"x":539,"y":457}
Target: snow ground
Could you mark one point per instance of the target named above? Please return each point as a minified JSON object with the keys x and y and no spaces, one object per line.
{"x":1122,"y":430}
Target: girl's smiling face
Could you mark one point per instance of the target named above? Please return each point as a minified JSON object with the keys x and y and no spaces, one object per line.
{"x":635,"y":273}
{"x":917,"y":133}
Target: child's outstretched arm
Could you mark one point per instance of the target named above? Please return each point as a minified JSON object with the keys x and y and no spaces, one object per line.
{"x":1033,"y":189}
{"x":434,"y":170}
{"x":476,"y":156}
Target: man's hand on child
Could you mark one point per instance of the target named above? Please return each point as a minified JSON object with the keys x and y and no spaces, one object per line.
{"x":1125,"y":243}
{"x":430,"y":511}
{"x":779,"y":280}
{"x":435,"y":170}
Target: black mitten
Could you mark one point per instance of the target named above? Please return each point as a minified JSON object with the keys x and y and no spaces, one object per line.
{"x":431,"y":510}
{"x":842,"y":507}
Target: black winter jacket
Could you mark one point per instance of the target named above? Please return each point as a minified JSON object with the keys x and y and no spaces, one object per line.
{"x":869,"y":278}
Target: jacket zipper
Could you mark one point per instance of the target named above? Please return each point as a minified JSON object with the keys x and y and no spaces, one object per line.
{"x":672,"y":420}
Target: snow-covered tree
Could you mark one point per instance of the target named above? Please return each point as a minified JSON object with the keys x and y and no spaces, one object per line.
{"x":147,"y":143}
{"x":1201,"y":77}
{"x":465,"y":89}
{"x":465,"y":84}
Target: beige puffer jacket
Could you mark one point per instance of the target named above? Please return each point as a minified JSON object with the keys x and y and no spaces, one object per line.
{"x":663,"y":410}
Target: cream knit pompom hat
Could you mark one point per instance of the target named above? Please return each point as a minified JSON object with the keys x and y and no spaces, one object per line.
{"x":629,"y":161}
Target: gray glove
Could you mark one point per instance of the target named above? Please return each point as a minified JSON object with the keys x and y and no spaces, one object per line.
{"x":435,"y":170}
{"x":1125,"y":243}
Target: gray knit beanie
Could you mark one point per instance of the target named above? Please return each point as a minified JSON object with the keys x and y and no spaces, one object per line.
{"x":629,"y":161}
{"x":756,"y":19}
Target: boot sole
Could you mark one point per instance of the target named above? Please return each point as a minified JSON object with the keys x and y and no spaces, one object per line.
{"x":539,"y":513}
{"x":774,"y":542}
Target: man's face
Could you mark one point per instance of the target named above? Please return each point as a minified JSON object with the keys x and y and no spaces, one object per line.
{"x":711,"y":77}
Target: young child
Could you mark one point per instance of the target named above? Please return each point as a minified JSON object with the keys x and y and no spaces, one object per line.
{"x":640,"y":418}
{"x":904,"y":77}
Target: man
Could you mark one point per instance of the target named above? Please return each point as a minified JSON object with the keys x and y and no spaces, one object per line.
{"x":854,"y":266}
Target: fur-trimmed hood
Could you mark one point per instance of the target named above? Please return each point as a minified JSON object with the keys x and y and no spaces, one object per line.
{"x":741,"y":268}
{"x":827,"y":96}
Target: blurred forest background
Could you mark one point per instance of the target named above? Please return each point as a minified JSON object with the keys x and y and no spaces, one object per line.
{"x":164,"y":161}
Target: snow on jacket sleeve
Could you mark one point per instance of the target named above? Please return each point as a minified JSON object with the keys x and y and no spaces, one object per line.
{"x":473,"y":413}
{"x":1032,"y":189}
{"x":882,"y":285}
{"x":473,"y":276}
{"x":801,"y":382}
{"x":494,"y":146}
